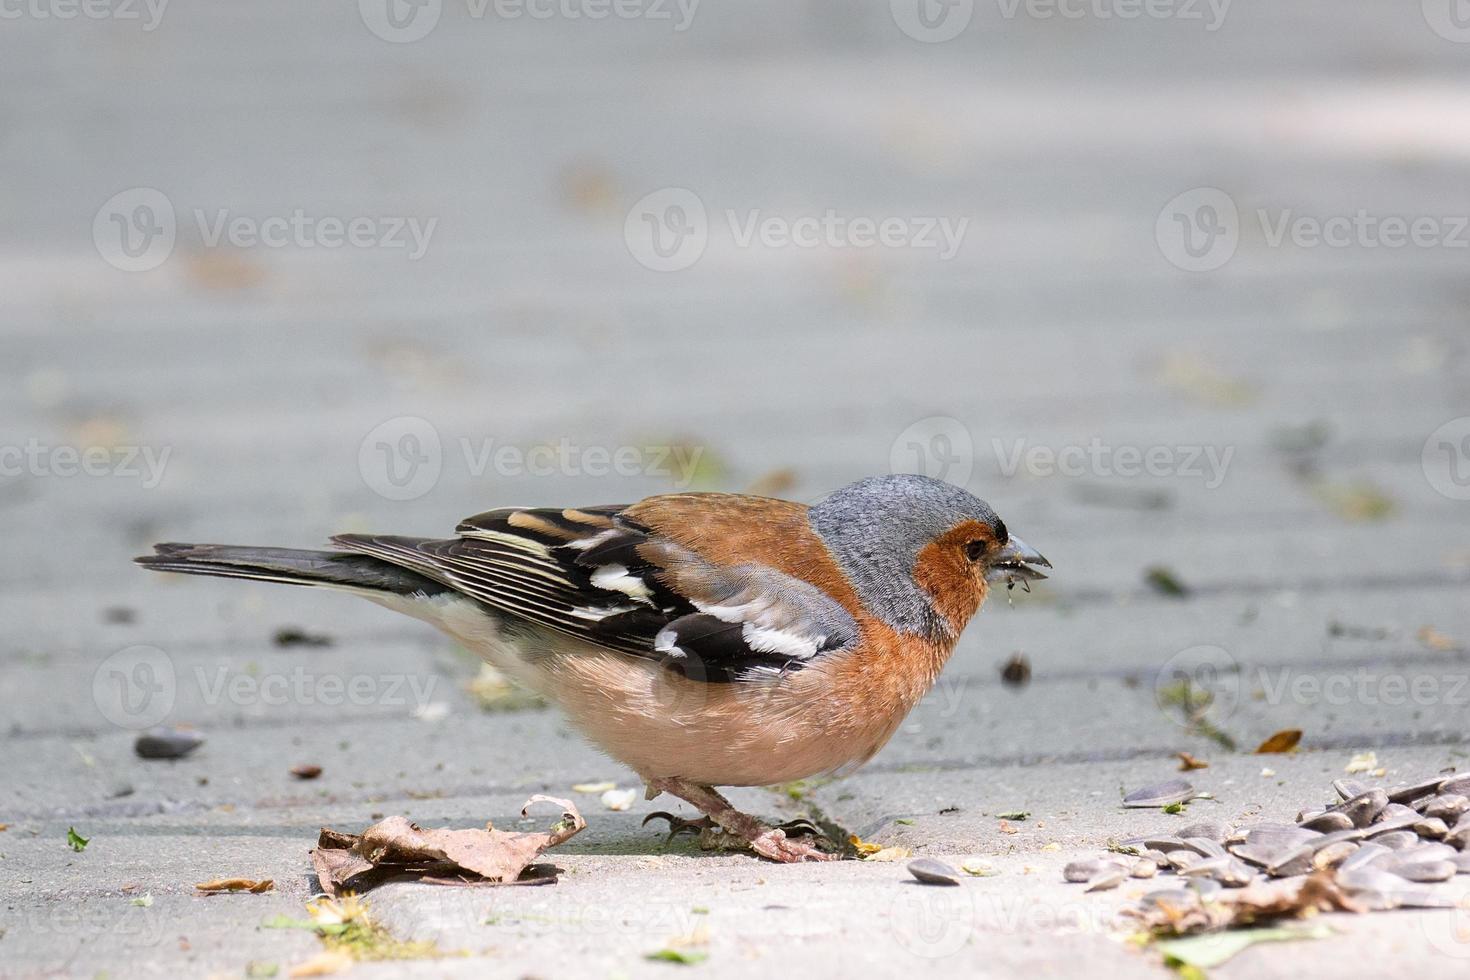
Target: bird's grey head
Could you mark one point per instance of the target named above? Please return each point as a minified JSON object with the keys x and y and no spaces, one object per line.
{"x":877,"y":528}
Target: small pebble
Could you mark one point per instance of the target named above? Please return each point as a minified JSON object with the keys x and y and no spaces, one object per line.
{"x":167,"y":743}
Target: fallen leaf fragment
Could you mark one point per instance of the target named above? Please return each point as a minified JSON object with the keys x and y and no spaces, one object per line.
{"x":1261,"y":901}
{"x":597,"y":788}
{"x":1188,"y":762}
{"x":863,"y":847}
{"x":396,"y":848}
{"x":979,"y":868}
{"x":236,"y":885}
{"x":1362,"y":762}
{"x":683,"y":957}
{"x":143,"y":901}
{"x":619,"y":799}
{"x":76,"y":841}
{"x":1014,"y":815}
{"x":325,"y":963}
{"x":1215,"y":949}
{"x":1283,"y":741}
{"x":889,"y":854}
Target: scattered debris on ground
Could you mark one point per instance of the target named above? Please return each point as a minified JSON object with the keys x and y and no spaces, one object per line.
{"x":167,"y":743}
{"x":1373,"y":850}
{"x":1163,"y":581}
{"x":306,"y":771}
{"x":294,"y":636}
{"x":348,"y":934}
{"x":493,"y":691}
{"x":221,"y":885}
{"x":1016,"y":671}
{"x":1283,"y":741}
{"x":394,"y":848}
{"x":1188,"y":762}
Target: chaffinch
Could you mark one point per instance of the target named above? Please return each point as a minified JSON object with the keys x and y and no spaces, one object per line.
{"x":703,"y":639}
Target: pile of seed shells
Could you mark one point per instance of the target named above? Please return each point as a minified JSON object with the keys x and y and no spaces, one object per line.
{"x":1381,"y":847}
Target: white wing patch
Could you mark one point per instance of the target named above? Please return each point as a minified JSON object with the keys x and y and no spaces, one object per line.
{"x":617,"y":578}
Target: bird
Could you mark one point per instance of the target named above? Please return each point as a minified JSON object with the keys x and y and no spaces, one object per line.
{"x":702,"y":639}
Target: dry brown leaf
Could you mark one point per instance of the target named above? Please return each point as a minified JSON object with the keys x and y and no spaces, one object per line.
{"x":1188,"y":762}
{"x":864,"y":848}
{"x":395,"y":848}
{"x":1283,"y":741}
{"x":236,"y":885}
{"x":1263,"y":901}
{"x":325,"y":963}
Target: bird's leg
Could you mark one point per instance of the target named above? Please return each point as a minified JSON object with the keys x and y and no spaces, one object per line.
{"x":769,"y":842}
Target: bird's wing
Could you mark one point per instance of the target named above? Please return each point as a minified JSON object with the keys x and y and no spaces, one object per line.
{"x":599,"y":575}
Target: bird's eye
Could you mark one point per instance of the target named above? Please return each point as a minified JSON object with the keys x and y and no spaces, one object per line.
{"x":975,"y":550}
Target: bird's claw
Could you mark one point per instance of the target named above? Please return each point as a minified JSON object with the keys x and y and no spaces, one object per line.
{"x":679,"y":825}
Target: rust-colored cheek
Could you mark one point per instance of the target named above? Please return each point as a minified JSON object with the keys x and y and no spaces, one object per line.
{"x":955,"y":583}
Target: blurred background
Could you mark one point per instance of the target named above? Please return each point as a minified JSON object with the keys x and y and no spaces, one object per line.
{"x":1180,"y":287}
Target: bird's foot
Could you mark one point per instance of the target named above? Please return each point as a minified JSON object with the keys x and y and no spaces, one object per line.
{"x":724,"y":828}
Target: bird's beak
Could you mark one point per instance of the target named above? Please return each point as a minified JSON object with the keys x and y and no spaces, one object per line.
{"x":1016,"y":561}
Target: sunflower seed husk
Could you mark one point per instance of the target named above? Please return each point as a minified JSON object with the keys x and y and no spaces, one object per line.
{"x":1346,"y":789}
{"x":1109,"y":877}
{"x":1280,"y":835}
{"x":1143,"y":868}
{"x":1182,"y":860}
{"x":932,"y":872}
{"x":1173,"y":898}
{"x":1397,"y":840}
{"x":1083,"y":870}
{"x":1333,"y":854}
{"x":1162,"y":843}
{"x":1207,"y":829}
{"x":1448,"y":807}
{"x":1157,"y":857}
{"x":1258,"y":854}
{"x":1404,"y":794}
{"x":167,"y":743}
{"x":1206,"y":888}
{"x":1432,"y":828}
{"x":1422,"y":871}
{"x":1204,"y":847}
{"x":1459,"y":837}
{"x":1326,"y":822}
{"x":1161,"y":794}
{"x":1455,"y":785}
{"x":1398,"y":811}
{"x":1434,"y":851}
{"x":1297,"y":861}
{"x":1391,"y":825}
{"x":1461,"y":862}
{"x":1363,"y":808}
{"x":1380,"y":890}
{"x":1366,"y":854}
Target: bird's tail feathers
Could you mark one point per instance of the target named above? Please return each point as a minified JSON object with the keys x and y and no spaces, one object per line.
{"x":293,"y":566}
